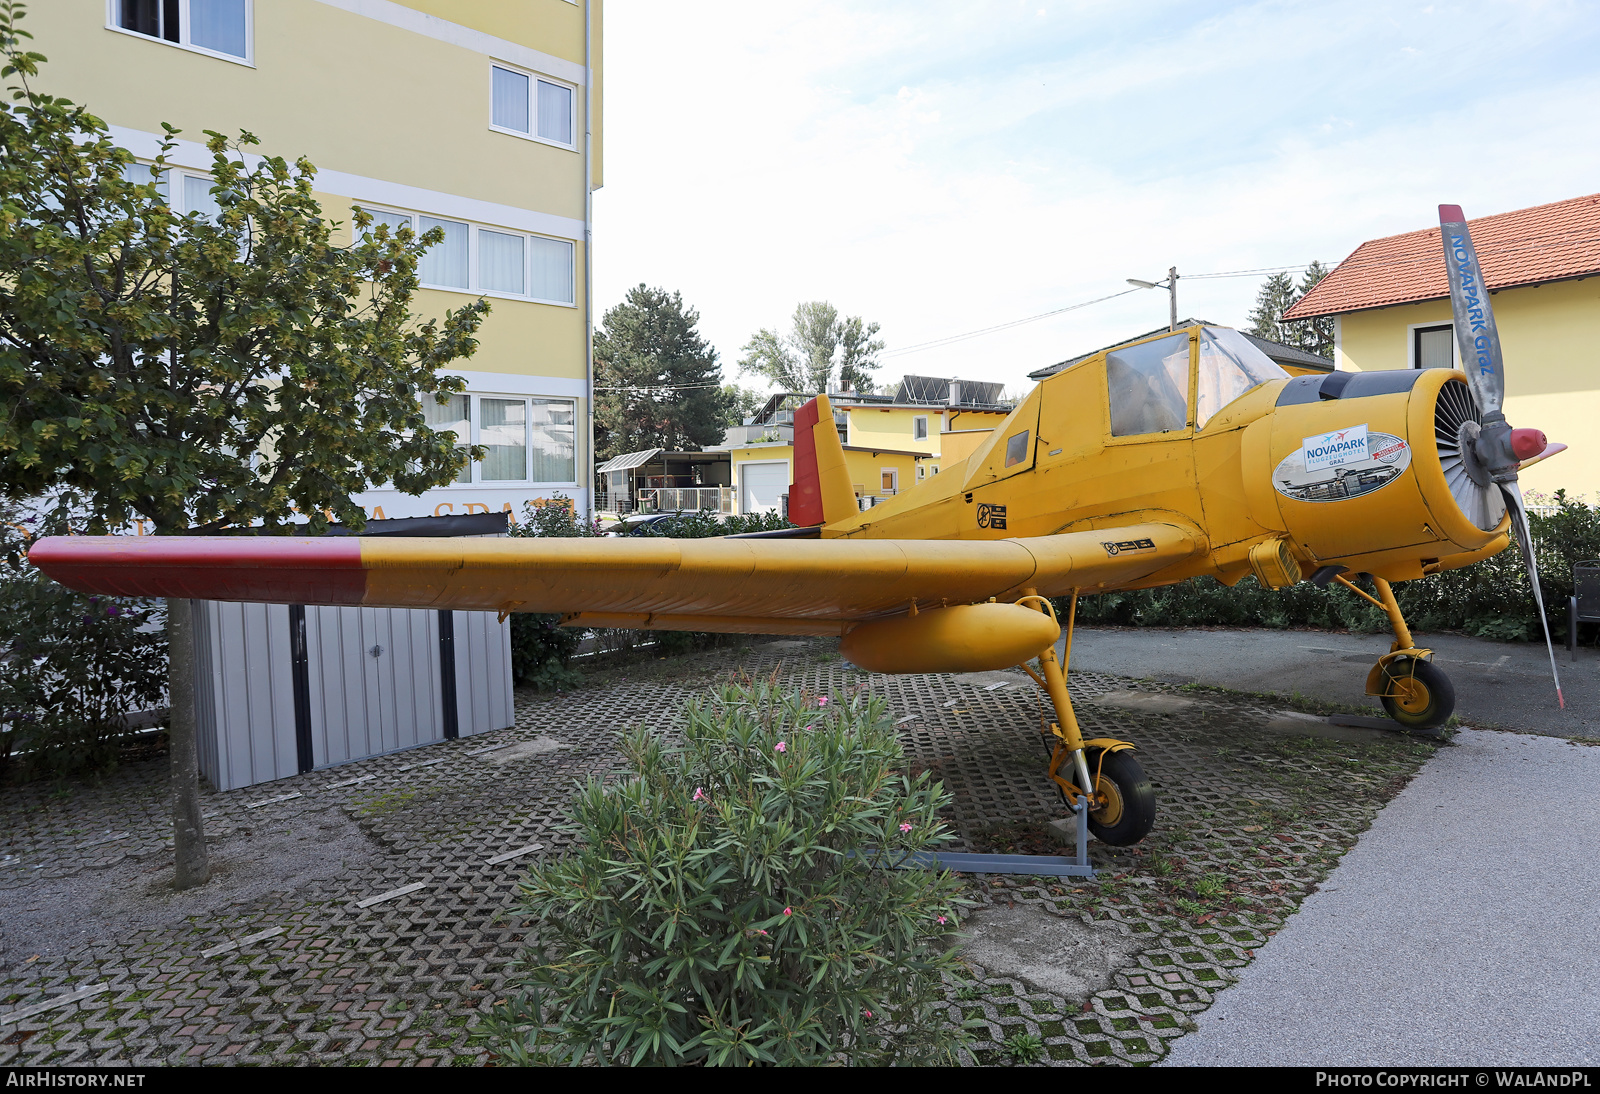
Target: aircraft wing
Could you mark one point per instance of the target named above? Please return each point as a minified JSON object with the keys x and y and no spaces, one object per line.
{"x":761,"y":586}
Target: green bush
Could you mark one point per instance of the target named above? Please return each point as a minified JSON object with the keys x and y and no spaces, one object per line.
{"x":71,"y":667}
{"x":722,"y":906}
{"x":540,"y":649}
{"x":1489,"y":599}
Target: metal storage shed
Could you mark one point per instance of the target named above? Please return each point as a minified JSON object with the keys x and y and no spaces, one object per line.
{"x":282,"y":689}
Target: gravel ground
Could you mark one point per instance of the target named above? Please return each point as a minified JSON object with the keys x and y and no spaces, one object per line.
{"x":1455,"y":932}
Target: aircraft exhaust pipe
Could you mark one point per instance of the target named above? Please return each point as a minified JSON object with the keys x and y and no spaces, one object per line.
{"x":964,"y":638}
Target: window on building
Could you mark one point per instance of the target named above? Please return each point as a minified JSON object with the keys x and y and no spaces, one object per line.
{"x":891,"y":481}
{"x":919,"y":427}
{"x":454,"y":415}
{"x":493,"y":260}
{"x":531,"y":106}
{"x":215,"y":26}
{"x":1148,"y":385}
{"x":503,"y":430}
{"x":1434,"y":347}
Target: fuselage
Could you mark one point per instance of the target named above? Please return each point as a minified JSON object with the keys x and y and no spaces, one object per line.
{"x":1348,"y":469}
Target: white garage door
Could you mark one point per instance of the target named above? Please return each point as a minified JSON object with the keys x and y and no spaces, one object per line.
{"x":762,"y":486}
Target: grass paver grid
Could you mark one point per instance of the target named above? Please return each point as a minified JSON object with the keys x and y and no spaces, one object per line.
{"x":1248,"y":822}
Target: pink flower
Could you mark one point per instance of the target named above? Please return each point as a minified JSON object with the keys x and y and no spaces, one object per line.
{"x":788,"y":911}
{"x":780,"y":747}
{"x":764,"y":932}
{"x":905,"y":828}
{"x":941,"y":921}
{"x":868,"y":1013}
{"x":699,"y":794}
{"x":822,"y":700}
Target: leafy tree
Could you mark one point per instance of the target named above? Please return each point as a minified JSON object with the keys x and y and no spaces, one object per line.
{"x":202,"y":373}
{"x":657,"y":382}
{"x":1278,"y":294}
{"x":824,"y":351}
{"x":743,"y":402}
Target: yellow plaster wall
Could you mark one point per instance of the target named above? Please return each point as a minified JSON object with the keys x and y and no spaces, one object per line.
{"x":1552,"y":367}
{"x":961,"y":443}
{"x":349,"y":93}
{"x":891,"y":427}
{"x":866,"y":470}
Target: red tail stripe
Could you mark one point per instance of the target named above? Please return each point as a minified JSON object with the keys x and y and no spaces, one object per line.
{"x":805,"y":494}
{"x":258,"y":568}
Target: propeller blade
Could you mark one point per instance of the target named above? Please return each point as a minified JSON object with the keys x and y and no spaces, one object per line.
{"x":1476,"y":332}
{"x":1519,"y":525}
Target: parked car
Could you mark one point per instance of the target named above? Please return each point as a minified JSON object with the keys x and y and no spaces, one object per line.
{"x":638,"y":524}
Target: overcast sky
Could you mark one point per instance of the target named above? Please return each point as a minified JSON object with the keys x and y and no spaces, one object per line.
{"x":940,"y":167}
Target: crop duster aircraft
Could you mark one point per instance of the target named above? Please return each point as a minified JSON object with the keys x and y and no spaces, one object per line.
{"x":1182,"y":454}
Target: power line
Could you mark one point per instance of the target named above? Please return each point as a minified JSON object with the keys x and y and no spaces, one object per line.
{"x":954,"y":338}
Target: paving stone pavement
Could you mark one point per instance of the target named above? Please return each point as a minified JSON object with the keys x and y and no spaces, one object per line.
{"x":1250,"y":819}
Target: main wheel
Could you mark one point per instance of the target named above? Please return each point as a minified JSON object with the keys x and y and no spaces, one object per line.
{"x":1421,"y":695}
{"x":1123,"y":808}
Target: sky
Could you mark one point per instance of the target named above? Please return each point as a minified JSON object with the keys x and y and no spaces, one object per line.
{"x":943,"y":167}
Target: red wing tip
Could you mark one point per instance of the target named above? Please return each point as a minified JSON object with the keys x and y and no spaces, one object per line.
{"x":1451,"y":214}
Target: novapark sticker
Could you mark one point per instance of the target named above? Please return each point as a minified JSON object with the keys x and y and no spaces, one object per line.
{"x":1386,"y":459}
{"x":1335,"y":449}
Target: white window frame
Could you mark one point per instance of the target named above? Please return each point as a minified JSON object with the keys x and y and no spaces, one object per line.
{"x":473,"y":226}
{"x":1411,"y":341}
{"x":248,"y":60}
{"x":919,"y":421}
{"x":893,"y":474}
{"x":533,"y":106}
{"x":475,"y":409}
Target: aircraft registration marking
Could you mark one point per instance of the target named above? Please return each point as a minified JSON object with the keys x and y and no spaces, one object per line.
{"x":1128,"y":546}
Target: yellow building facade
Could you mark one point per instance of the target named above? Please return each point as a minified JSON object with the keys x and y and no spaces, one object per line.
{"x":1391,"y":310}
{"x":1547,"y":333}
{"x":888,"y":446}
{"x":478,"y":117}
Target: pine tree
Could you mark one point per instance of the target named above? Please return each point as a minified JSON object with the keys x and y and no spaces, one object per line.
{"x":1278,"y":294}
{"x":657,"y":382}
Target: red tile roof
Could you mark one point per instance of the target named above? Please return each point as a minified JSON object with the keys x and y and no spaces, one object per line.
{"x":1526,"y":247}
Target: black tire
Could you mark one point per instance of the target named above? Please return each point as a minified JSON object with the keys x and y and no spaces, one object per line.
{"x":1424,"y":697}
{"x":1128,"y":801}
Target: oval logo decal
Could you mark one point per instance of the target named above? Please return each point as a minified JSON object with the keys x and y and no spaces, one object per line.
{"x":1385,"y":458}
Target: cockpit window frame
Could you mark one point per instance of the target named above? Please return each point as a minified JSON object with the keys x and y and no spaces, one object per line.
{"x":1102,"y":362}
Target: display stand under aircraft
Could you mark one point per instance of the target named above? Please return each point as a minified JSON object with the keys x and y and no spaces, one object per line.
{"x":1182,"y":454}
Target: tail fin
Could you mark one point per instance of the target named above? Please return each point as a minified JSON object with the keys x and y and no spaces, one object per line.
{"x":821,"y":492}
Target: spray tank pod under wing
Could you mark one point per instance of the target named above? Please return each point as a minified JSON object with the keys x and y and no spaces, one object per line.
{"x":964,"y":638}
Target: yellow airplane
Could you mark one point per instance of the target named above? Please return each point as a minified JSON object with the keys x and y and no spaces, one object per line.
{"x":1182,"y":454}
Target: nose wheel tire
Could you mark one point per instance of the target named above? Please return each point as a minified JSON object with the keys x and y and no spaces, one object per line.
{"x":1122,"y":809}
{"x":1420,"y":695}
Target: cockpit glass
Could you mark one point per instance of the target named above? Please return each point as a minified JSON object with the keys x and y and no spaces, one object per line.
{"x":1230,"y":365}
{"x":1148,"y":385}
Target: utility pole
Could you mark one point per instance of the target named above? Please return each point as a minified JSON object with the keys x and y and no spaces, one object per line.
{"x":1171,"y":284}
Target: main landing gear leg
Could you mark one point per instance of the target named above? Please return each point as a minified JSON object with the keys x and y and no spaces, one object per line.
{"x":1413,"y":690}
{"x":1121,"y":803}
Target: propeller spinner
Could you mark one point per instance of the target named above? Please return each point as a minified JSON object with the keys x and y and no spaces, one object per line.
{"x":1483,"y":458}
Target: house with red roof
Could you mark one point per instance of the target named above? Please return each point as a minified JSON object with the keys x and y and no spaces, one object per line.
{"x":1391,"y":306}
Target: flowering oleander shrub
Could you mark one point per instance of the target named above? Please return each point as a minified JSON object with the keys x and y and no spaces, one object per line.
{"x":733,"y":899}
{"x":71,"y":668}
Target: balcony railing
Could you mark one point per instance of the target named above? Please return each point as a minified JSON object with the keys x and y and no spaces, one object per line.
{"x":664,"y":499}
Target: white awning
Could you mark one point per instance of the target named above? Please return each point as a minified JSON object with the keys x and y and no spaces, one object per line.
{"x":628,"y":460}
